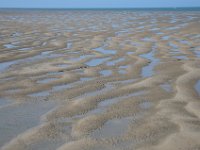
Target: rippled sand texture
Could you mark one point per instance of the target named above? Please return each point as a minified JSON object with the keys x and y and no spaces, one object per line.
{"x":99,"y":80}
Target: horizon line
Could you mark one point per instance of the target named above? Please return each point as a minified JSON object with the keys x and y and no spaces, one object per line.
{"x":99,"y":7}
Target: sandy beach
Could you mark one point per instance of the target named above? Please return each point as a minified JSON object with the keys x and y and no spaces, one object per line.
{"x":99,"y":80}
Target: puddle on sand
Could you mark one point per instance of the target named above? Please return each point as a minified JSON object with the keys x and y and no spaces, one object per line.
{"x":197,"y":53}
{"x":11,"y":91}
{"x":159,"y":33}
{"x":9,"y":46}
{"x":106,"y":72}
{"x":98,"y":110}
{"x":46,"y":52}
{"x":46,"y":80}
{"x":69,"y":45}
{"x":55,"y":73}
{"x":154,"y":29}
{"x":129,"y":53}
{"x":167,"y":37}
{"x":196,"y":50}
{"x":47,"y":143}
{"x":6,"y":65}
{"x":123,"y":67}
{"x":147,"y":39}
{"x":175,"y":52}
{"x":26,"y":49}
{"x":103,"y":51}
{"x":174,"y":46}
{"x":111,"y":63}
{"x":4,"y":102}
{"x":122,"y":71}
{"x":96,"y":61}
{"x":181,"y":57}
{"x":148,"y":70}
{"x":85,"y":79}
{"x":184,"y":42}
{"x":40,"y":94}
{"x":16,"y":119}
{"x":197,"y":87}
{"x":62,"y":65}
{"x":167,"y":87}
{"x":172,"y":28}
{"x":113,"y":128}
{"x":79,"y":58}
{"x":145,"y":105}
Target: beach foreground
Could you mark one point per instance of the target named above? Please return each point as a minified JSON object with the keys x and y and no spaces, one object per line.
{"x":99,"y":80}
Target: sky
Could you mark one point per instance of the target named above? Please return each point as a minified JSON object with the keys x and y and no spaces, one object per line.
{"x":97,"y":3}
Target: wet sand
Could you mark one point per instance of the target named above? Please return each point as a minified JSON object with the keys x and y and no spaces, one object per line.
{"x":93,"y":80}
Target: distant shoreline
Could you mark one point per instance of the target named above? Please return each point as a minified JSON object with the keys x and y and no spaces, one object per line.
{"x":114,"y":9}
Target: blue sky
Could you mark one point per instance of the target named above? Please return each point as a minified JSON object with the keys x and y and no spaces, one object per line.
{"x":97,"y":3}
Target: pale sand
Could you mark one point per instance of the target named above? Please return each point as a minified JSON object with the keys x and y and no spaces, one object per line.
{"x":93,"y":80}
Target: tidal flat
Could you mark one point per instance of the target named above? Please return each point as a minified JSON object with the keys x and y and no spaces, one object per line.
{"x":99,"y":80}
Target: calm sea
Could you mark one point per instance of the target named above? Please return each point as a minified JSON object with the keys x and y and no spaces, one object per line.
{"x":102,"y":9}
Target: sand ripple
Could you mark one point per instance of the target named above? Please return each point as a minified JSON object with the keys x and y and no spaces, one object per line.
{"x":123,"y":80}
